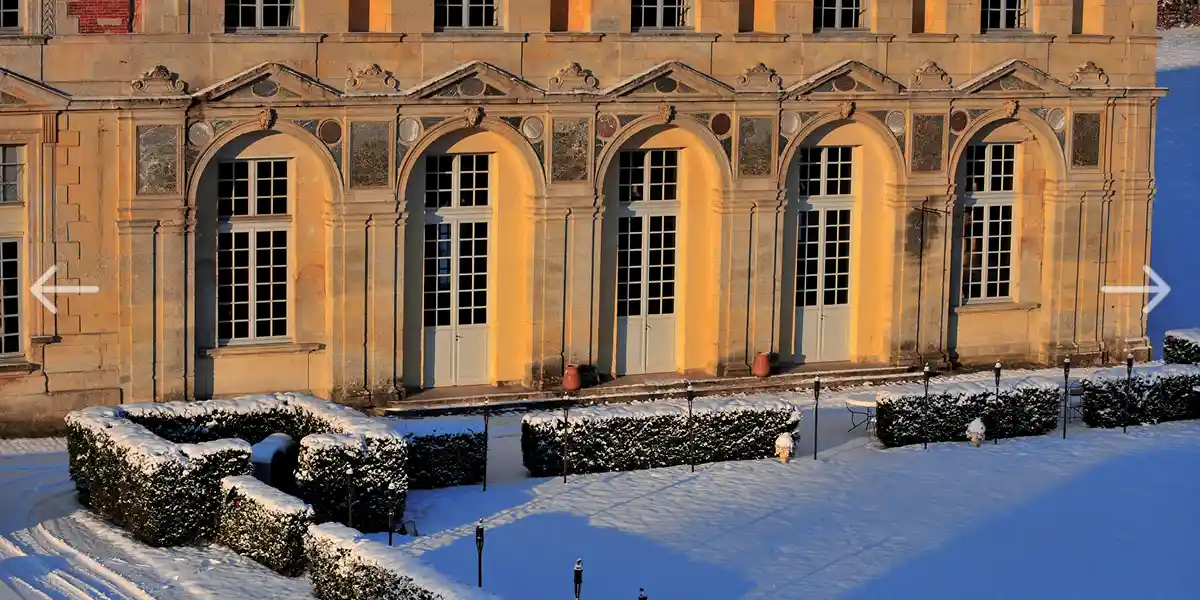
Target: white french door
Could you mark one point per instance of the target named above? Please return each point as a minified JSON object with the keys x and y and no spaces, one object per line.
{"x":823,"y":302}
{"x":646,"y":288}
{"x":455,"y":311}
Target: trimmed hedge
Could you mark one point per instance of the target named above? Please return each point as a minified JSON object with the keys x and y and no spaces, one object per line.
{"x":1182,"y":347}
{"x":165,"y":494}
{"x":647,"y":435}
{"x":1154,"y":394}
{"x":366,"y":469}
{"x":1029,"y":406}
{"x":263,"y":523}
{"x":342,"y":565}
{"x":444,"y":452}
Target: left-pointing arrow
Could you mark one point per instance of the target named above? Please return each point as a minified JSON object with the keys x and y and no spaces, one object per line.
{"x":39,"y":289}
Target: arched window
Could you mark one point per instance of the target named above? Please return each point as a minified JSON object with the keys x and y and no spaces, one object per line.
{"x":253,"y":229}
{"x":987,"y":223}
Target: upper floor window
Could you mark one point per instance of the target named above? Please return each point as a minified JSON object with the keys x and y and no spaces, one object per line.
{"x":837,"y":14}
{"x":253,"y":227}
{"x":455,"y":14}
{"x":11,"y":164}
{"x":648,"y":175}
{"x":456,"y":181}
{"x":1005,"y":14}
{"x":10,"y":297}
{"x":987,"y":226}
{"x":259,"y":14}
{"x":825,"y":170}
{"x":991,"y":167}
{"x":660,"y":14}
{"x":10,"y":15}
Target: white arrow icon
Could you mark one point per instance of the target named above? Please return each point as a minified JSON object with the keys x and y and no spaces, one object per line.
{"x":1158,"y":286}
{"x":39,"y":289}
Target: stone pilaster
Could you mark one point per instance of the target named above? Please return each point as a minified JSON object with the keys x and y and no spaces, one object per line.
{"x":135,"y":240}
{"x":552,"y":226}
{"x":384,"y":302}
{"x":348,"y":263}
{"x":766,"y":269}
{"x":923,"y":246}
{"x":735,"y":218}
{"x":175,"y":347}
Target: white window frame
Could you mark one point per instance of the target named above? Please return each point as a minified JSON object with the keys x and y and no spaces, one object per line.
{"x":455,"y":215}
{"x":259,"y":8}
{"x":253,"y":224}
{"x":637,"y":8}
{"x":986,"y":199}
{"x":1017,"y":9}
{"x":647,"y":168}
{"x":842,"y":9}
{"x":18,"y":296}
{"x":13,"y":8}
{"x":823,"y":165}
{"x":8,"y":154}
{"x":465,"y":6}
{"x":456,"y":190}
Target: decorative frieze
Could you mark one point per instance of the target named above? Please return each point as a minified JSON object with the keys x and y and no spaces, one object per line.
{"x":369,"y":143}
{"x":1085,"y":140}
{"x":755,"y":137}
{"x":158,"y":159}
{"x":928,"y":134}
{"x":569,"y":154}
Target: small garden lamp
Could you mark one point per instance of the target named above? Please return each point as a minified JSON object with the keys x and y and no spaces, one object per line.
{"x":926,"y":373}
{"x":816,"y":412}
{"x":391,"y":510}
{"x":349,"y":496}
{"x":1128,"y":390}
{"x":578,"y":577}
{"x":479,"y":549}
{"x":642,"y":594}
{"x":996,"y":369}
{"x":691,"y":396}
{"x":1066,"y":391}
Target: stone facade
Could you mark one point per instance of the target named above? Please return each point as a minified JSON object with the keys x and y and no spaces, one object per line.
{"x":126,"y":116}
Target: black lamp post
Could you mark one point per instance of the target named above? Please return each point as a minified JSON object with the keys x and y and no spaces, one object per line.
{"x":1128,"y":391}
{"x":996,"y":369}
{"x":816,"y":412}
{"x":1066,"y":391}
{"x":691,"y":396}
{"x":925,"y":413}
{"x":486,"y":418}
{"x":479,"y":549}
{"x":391,"y":510}
{"x":578,"y":577}
{"x":642,"y":594}
{"x":566,"y":414}
{"x":349,"y":496}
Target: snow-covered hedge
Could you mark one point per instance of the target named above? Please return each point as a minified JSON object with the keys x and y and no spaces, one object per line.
{"x":647,"y":435}
{"x":342,"y":565}
{"x":1182,"y":347}
{"x":263,"y":523}
{"x":165,"y":494}
{"x":1178,"y":13}
{"x":1028,"y":406}
{"x":1155,"y":393}
{"x":354,"y":478}
{"x":444,"y":451}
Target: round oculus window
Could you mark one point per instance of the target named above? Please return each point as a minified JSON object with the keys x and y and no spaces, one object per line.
{"x":330,"y":132}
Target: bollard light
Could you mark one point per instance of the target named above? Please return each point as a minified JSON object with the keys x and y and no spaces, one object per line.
{"x":391,"y":510}
{"x":578,"y":577}
{"x":925,"y":413}
{"x":642,"y":594}
{"x":996,"y":369}
{"x":816,"y":412}
{"x":349,"y":496}
{"x":1128,"y":391}
{"x":1066,"y":392}
{"x":691,"y":396}
{"x":479,"y":549}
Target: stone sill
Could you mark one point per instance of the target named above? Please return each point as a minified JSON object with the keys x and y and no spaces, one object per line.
{"x":1089,"y":38}
{"x":263,"y":349}
{"x":932,"y":38}
{"x":667,"y":35}
{"x":1010,"y":36}
{"x":760,"y":36}
{"x":847,"y":35}
{"x":471,"y":35}
{"x":998,"y":306}
{"x":572,"y":36}
{"x":17,"y":365}
{"x":281,"y":36}
{"x":16,"y":38}
{"x":364,"y":37}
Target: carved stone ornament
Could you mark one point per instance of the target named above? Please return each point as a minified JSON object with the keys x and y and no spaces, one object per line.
{"x":760,"y":78}
{"x":1089,"y":75}
{"x":846,"y":109}
{"x":1010,"y":108}
{"x":159,"y":80}
{"x":666,"y":112}
{"x":372,"y":79}
{"x":573,"y":77}
{"x":929,"y":76}
{"x":473,"y":115}
{"x":266,"y":118}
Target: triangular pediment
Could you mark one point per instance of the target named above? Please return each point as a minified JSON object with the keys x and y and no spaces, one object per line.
{"x":268,"y":83}
{"x":476,"y":80}
{"x":671,"y":79}
{"x":847,"y":77}
{"x":17,"y":90}
{"x":1014,"y":76}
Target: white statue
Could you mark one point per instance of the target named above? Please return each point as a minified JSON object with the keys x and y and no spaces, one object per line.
{"x":783,"y":446}
{"x":976,"y":432}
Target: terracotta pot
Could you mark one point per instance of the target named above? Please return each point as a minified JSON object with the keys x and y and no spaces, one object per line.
{"x":571,"y":381}
{"x":762,"y":365}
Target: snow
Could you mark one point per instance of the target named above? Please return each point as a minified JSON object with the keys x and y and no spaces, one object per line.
{"x":1147,"y":372}
{"x":982,"y":384}
{"x":1188,"y":335}
{"x":265,"y":451}
{"x":665,"y":407}
{"x":263,"y":494}
{"x":449,"y":425}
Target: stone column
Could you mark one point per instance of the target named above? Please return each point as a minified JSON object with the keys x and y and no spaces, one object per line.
{"x":552,"y":245}
{"x":766,"y":297}
{"x":732,"y":257}
{"x":175,"y":270}
{"x":384,"y":302}
{"x":1064,"y":216}
{"x":347,"y":266}
{"x":923,"y":242}
{"x":135,"y":242}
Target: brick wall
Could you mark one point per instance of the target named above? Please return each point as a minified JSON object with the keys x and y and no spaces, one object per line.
{"x":102,"y":16}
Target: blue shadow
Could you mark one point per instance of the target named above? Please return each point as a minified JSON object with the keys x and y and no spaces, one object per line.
{"x":533,"y":558}
{"x":1126,"y":529}
{"x":1175,"y":242}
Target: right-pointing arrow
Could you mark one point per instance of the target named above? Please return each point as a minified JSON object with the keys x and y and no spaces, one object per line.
{"x":1158,"y":289}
